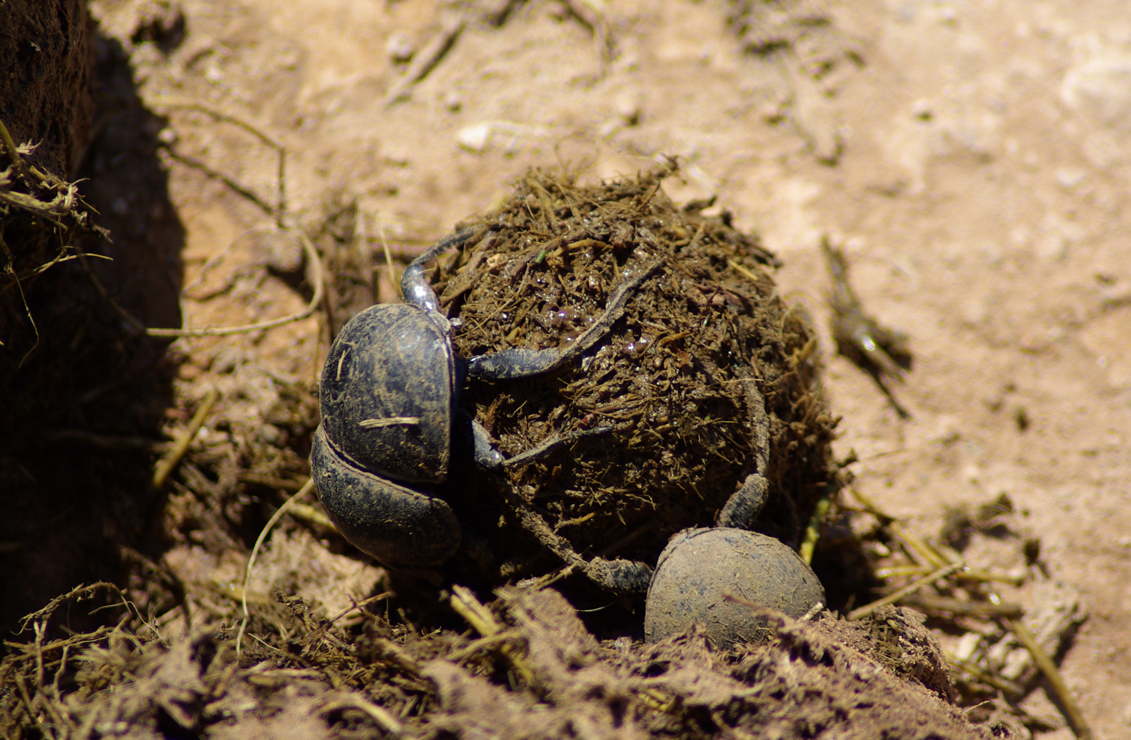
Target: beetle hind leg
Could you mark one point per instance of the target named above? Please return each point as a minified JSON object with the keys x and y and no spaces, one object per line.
{"x":617,"y":575}
{"x":744,"y":505}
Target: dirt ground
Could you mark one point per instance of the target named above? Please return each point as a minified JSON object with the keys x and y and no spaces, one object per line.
{"x":971,"y":159}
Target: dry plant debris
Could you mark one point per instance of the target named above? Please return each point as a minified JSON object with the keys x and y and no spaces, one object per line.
{"x":41,"y":218}
{"x":1002,"y":649}
{"x":529,"y":669}
{"x":876,"y":349}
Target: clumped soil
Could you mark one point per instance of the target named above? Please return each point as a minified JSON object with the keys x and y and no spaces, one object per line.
{"x":45,"y":90}
{"x":75,"y":381}
{"x":707,"y":378}
{"x":533,"y":670}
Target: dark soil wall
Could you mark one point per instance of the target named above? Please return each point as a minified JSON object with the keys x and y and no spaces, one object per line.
{"x":45,"y":69}
{"x":82,"y":389}
{"x":46,"y":109}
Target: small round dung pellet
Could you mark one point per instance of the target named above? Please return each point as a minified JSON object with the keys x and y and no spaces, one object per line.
{"x":711,"y":576}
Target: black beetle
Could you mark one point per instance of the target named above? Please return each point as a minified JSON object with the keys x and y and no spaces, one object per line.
{"x":390,"y":422}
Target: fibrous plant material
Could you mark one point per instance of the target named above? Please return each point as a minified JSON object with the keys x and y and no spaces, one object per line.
{"x":41,"y":215}
{"x":880,"y":351}
{"x":708,"y":378}
{"x":534,"y":670}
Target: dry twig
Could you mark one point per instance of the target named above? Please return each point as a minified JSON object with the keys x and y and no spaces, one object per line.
{"x":168,"y":463}
{"x":426,"y":61}
{"x":381,"y":716}
{"x":306,"y":489}
{"x":899,"y":594}
{"x":316,"y":279}
{"x":279,"y":209}
{"x":465,"y":604}
{"x":1052,"y":674}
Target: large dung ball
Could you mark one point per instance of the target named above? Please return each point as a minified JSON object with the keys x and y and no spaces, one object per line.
{"x":706,"y":377}
{"x":717,"y":578}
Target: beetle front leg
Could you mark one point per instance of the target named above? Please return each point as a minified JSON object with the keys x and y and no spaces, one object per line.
{"x":487,"y":456}
{"x":519,"y":362}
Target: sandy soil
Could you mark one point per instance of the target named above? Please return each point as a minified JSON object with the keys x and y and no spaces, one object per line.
{"x":972,"y":159}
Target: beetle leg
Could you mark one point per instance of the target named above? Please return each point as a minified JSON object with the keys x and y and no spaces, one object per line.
{"x":759,"y":422}
{"x":550,"y":444}
{"x":744,"y":505}
{"x":488,"y":456}
{"x":519,"y":362}
{"x":618,"y":575}
{"x":415,"y":286}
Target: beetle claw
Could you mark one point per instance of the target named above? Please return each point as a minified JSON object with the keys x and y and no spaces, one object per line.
{"x":487,"y":456}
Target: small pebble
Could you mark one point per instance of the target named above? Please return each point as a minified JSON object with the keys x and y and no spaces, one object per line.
{"x":629,"y":108}
{"x":400,"y":47}
{"x":474,"y":138}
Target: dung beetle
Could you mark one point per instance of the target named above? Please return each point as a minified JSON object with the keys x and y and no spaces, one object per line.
{"x":391,"y":422}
